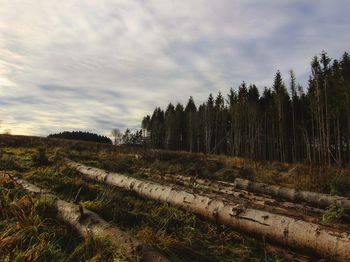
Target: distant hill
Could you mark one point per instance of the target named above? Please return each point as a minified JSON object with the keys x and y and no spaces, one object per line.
{"x":83,"y":136}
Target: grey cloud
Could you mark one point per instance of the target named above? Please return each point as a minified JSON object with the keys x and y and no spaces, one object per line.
{"x":88,"y":65}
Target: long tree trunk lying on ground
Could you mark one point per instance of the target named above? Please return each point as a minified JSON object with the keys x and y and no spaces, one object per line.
{"x":317,"y":199}
{"x":227,"y":188}
{"x":88,"y":223}
{"x":283,"y":229}
{"x":247,"y":199}
{"x":249,"y":187}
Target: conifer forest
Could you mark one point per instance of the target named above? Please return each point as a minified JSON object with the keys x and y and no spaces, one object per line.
{"x":285,"y":122}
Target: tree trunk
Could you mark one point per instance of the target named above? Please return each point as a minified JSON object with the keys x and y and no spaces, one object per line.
{"x":282,"y":229}
{"x":226,"y":188}
{"x":88,"y":223}
{"x":317,"y":199}
{"x":230,"y":195}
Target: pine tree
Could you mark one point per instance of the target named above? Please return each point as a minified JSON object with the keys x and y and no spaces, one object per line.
{"x":293,"y":126}
{"x":190,"y":125}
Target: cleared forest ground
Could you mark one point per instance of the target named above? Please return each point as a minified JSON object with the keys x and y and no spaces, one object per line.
{"x":179,"y":235}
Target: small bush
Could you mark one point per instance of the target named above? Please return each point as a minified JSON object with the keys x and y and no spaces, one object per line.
{"x":332,"y":214}
{"x":40,"y":157}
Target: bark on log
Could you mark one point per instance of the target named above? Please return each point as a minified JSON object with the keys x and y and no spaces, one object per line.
{"x":247,"y":199}
{"x":88,"y":223}
{"x":285,"y":230}
{"x":229,"y":189}
{"x":318,"y":199}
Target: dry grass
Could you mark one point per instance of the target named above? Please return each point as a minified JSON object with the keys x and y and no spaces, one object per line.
{"x":179,"y":234}
{"x":29,"y":231}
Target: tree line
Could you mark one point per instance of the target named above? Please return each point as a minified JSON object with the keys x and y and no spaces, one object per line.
{"x":127,"y":138}
{"x":82,"y":135}
{"x":284,"y":123}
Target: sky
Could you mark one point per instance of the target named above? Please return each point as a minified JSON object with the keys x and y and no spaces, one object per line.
{"x":102,"y":64}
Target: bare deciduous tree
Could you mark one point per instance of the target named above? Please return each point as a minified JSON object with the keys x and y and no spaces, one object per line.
{"x":117,"y":135}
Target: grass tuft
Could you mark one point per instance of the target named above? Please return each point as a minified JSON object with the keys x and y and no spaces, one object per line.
{"x":332,"y":214}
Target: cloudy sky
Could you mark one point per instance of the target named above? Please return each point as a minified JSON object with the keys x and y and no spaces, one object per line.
{"x":95,"y":65}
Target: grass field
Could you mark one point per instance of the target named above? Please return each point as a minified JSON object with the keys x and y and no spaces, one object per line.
{"x":30,"y":232}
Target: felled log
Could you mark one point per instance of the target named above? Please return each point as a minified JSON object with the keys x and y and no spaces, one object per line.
{"x":88,"y":223}
{"x":227,"y":188}
{"x":318,"y":199}
{"x":283,"y":229}
{"x":309,"y":214}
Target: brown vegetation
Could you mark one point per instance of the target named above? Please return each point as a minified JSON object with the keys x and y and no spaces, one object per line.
{"x":180,"y":235}
{"x":276,"y":227}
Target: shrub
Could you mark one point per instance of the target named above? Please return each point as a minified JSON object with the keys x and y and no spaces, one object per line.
{"x":40,"y":157}
{"x":332,"y":214}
